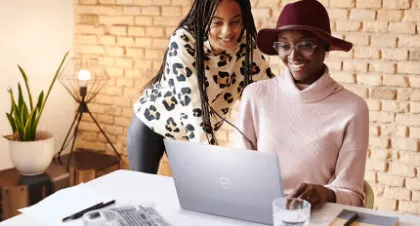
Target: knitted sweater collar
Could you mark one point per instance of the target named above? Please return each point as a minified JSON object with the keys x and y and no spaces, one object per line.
{"x":320,"y":89}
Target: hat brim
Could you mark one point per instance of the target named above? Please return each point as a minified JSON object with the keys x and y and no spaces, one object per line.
{"x":267,"y":36}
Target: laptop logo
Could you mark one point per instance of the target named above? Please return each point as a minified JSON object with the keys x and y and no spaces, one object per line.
{"x":225,"y":183}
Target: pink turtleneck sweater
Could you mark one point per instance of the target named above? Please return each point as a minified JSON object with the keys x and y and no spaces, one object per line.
{"x":320,"y":133}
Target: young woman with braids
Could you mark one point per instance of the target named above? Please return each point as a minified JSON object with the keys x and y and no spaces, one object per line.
{"x":210,"y":58}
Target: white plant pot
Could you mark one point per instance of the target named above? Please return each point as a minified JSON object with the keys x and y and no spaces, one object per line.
{"x":32,"y":157}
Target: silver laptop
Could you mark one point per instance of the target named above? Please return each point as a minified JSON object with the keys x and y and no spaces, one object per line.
{"x":225,"y":181}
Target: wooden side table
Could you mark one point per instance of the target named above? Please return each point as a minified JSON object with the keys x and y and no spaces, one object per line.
{"x":15,"y":192}
{"x":87,"y":165}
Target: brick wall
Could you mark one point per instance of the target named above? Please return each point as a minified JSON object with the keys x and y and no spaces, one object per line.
{"x":130,"y":36}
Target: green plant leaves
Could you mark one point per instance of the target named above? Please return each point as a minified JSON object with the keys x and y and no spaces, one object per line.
{"x":25,"y":78}
{"x":23,"y":119}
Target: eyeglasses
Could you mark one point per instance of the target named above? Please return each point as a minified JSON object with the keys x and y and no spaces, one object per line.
{"x":284,"y":49}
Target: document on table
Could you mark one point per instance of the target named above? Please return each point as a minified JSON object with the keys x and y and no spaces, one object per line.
{"x":64,"y":203}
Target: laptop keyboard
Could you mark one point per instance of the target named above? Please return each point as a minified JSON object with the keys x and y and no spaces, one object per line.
{"x":139,"y":217}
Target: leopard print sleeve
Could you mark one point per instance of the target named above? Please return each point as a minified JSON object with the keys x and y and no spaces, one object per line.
{"x":172,"y":106}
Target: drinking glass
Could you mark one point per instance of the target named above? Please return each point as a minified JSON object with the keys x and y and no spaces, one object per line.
{"x":291,"y":211}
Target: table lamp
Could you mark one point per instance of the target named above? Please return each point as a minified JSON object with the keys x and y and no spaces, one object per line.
{"x":83,"y":78}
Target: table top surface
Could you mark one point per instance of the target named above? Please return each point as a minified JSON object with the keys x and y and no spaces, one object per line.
{"x":134,"y":187}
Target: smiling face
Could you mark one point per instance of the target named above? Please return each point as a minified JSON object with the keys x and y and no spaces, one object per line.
{"x":306,"y":66}
{"x":226,"y":26}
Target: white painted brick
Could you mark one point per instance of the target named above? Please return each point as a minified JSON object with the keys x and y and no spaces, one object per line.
{"x":390,"y":15}
{"x":114,"y":72}
{"x":415,"y":132}
{"x":333,"y":64}
{"x":358,"y":90}
{"x":415,"y":54}
{"x":385,"y":204}
{"x":415,"y":107}
{"x":154,"y":31}
{"x":395,"y":54}
{"x":378,"y":165}
{"x":143,"y":42}
{"x":355,"y":65}
{"x":137,"y":31}
{"x":107,"y":2}
{"x":390,"y":180}
{"x":375,"y":26}
{"x":143,"y":20}
{"x":373,"y":105}
{"x":408,"y":67}
{"x":143,"y":2}
{"x":394,"y":130}
{"x":399,"y":169}
{"x":125,"y":41}
{"x":379,"y":142}
{"x":395,"y":80}
{"x":397,"y":193}
{"x":369,"y":4}
{"x":348,"y":25}
{"x":115,"y":51}
{"x":89,"y":29}
{"x":412,"y":183}
{"x":342,"y":3}
{"x":110,"y":20}
{"x":166,"y":21}
{"x":414,"y":82}
{"x":382,"y":67}
{"x":358,"y":39}
{"x":369,"y":79}
{"x":150,"y":11}
{"x":396,"y":4}
{"x":370,"y":176}
{"x":409,"y":158}
{"x":412,"y":16}
{"x":384,"y":41}
{"x":131,"y":10}
{"x":124,"y":2}
{"x":408,"y":120}
{"x":380,"y":154}
{"x":402,"y":28}
{"x":107,"y":40}
{"x":343,"y":77}
{"x":86,"y":39}
{"x":161,"y":2}
{"x":394,"y":106}
{"x":409,"y":41}
{"x":338,"y":14}
{"x":382,"y":117}
{"x":362,"y":14}
{"x":118,"y":30}
{"x":403,"y":94}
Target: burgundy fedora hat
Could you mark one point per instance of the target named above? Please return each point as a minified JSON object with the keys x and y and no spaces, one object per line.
{"x":306,"y":15}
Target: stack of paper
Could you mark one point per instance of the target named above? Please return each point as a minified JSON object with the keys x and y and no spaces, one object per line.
{"x":64,"y":203}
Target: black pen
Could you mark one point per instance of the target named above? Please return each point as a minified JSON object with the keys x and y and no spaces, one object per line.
{"x":81,"y":212}
{"x":352,"y":219}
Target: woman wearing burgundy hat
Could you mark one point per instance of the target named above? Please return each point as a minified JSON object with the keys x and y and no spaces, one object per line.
{"x":318,"y":129}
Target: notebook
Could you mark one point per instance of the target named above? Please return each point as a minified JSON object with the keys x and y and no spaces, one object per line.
{"x":364,"y":219}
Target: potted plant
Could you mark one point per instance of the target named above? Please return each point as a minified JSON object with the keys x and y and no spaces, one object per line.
{"x":31,"y":150}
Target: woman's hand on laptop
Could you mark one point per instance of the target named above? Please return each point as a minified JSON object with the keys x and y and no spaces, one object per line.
{"x":316,"y":194}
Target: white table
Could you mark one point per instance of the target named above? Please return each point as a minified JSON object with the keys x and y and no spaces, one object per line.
{"x":135,"y":187}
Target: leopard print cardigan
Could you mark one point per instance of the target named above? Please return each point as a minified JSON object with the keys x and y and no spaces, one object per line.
{"x":172,"y":107}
